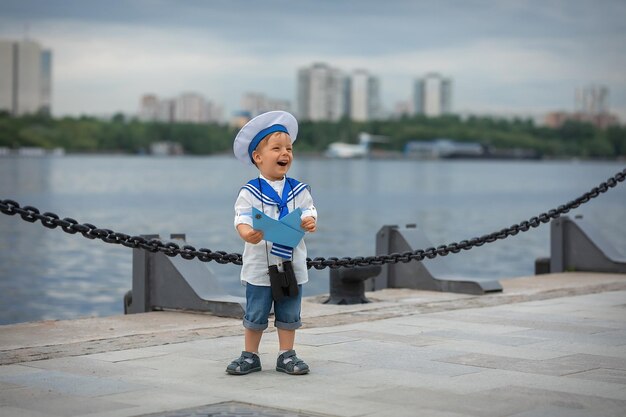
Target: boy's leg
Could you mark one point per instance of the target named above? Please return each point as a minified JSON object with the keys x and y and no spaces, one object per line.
{"x":286,"y":338}
{"x":287,"y":312}
{"x":258,"y":305}
{"x":253,"y":339}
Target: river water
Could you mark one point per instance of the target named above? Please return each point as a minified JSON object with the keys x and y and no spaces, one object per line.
{"x":48,"y":274}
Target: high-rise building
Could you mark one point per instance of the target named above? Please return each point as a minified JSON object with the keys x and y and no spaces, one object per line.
{"x":46,"y":81}
{"x":165,"y":112}
{"x":432,"y":95}
{"x":25,"y":77}
{"x":591,"y":106}
{"x":213,"y":113}
{"x":149,"y":108}
{"x":364,"y":96}
{"x":6,"y":76}
{"x":322,"y":93}
{"x":187,"y":107}
{"x":592,"y":99}
{"x":190,"y":107}
{"x":257,"y":103}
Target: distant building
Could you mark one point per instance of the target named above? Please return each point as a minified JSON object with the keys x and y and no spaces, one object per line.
{"x":149,"y":108}
{"x":257,"y":103}
{"x":432,"y":95}
{"x":165,"y":112}
{"x":25,"y":77}
{"x":322,"y":93}
{"x":364,"y":96}
{"x":557,"y":119}
{"x":592,"y":99}
{"x":188,"y":108}
{"x":592,"y":106}
{"x":214,"y":113}
{"x":402,"y":109}
{"x":46,"y":81}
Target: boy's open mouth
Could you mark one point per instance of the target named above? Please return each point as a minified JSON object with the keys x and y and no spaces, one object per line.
{"x":282,"y":163}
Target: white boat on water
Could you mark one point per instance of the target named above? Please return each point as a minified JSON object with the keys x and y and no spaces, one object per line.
{"x":354,"y":150}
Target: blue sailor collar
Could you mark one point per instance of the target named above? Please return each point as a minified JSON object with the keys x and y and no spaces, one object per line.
{"x":264,"y":192}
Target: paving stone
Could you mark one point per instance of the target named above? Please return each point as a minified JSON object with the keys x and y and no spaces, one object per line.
{"x":598,"y":361}
{"x":403,"y":359}
{"x":68,"y":383}
{"x":413,"y":340}
{"x":507,"y":340}
{"x":11,"y":370}
{"x":497,"y":378}
{"x":615,"y":376}
{"x":592,"y":405}
{"x":554,"y":411}
{"x":484,"y":361}
{"x":402,"y":411}
{"x":393,"y":327}
{"x":328,"y":404}
{"x":520,"y":352}
{"x":53,"y":403}
{"x":585,"y":347}
{"x":605,"y":338}
{"x":325,"y":339}
{"x":176,"y":364}
{"x":87,"y":366}
{"x":503,"y":401}
{"x":232,"y":409}
{"x":557,"y":366}
{"x":336,"y":368}
{"x":475,"y":404}
{"x":128,"y":354}
{"x":442,"y":322}
{"x":6,"y":385}
{"x":21,"y":412}
{"x":467,"y":383}
{"x":162,"y":400}
{"x":526,"y":321}
{"x":621,"y":394}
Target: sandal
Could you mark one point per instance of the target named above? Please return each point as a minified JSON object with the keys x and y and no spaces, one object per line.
{"x":241,"y":366}
{"x":294,"y":365}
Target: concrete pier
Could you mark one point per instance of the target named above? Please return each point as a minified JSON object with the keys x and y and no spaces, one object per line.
{"x":550,"y":345}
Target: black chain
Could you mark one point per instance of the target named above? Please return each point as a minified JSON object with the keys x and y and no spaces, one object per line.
{"x":51,"y":221}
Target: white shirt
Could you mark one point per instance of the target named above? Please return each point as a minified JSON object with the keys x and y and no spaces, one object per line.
{"x":255,"y":256}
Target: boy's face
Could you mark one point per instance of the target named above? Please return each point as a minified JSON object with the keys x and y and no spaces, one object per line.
{"x":274,"y":155}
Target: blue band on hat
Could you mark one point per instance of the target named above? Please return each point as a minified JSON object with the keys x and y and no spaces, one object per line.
{"x":262,"y":134}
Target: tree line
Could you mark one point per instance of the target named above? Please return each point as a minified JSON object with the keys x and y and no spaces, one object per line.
{"x":129,"y":135}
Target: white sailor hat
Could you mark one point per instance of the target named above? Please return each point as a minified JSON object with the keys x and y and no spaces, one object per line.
{"x":258,"y":128}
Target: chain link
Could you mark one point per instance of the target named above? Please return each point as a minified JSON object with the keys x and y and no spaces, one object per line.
{"x":71,"y":226}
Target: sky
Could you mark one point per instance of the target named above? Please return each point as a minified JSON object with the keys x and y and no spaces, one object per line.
{"x":505,"y":57}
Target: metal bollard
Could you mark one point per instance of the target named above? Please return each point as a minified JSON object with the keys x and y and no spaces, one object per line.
{"x":164,"y":283}
{"x":429,"y":274}
{"x":347,"y":285}
{"x":576,"y":245}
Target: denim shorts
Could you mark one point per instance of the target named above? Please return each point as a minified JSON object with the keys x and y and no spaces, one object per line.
{"x":259,"y":303}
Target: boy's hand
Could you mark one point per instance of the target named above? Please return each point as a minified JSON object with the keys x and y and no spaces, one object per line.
{"x":309,"y":224}
{"x":249,"y":234}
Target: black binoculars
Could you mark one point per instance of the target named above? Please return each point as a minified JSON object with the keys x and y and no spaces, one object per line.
{"x":284,"y":284}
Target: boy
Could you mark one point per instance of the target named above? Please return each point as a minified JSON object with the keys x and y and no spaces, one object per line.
{"x":272,"y":273}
